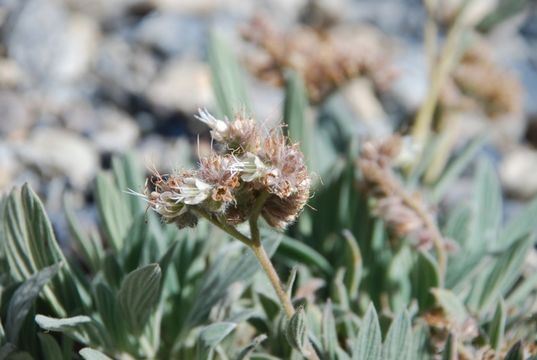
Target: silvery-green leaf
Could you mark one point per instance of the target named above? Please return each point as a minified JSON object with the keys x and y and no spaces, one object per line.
{"x":296,"y":330}
{"x":61,"y":325}
{"x":452,"y":306}
{"x":30,"y":246}
{"x":245,"y":353}
{"x":92,"y":354}
{"x":294,"y":113}
{"x":497,"y":326}
{"x":291,"y":282}
{"x":211,"y":336}
{"x":49,"y":346}
{"x":521,"y":292}
{"x":487,"y":207}
{"x":450,"y":349}
{"x":353,"y":264}
{"x":304,"y":254}
{"x":113,"y":210}
{"x":398,"y":343}
{"x":455,"y":168}
{"x":368,"y":346}
{"x":228,"y":269}
{"x":107,"y":307}
{"x":329,"y":332}
{"x":520,"y":225}
{"x":23,"y":298}
{"x":516,"y":352}
{"x":138,"y":296}
{"x":506,"y":271}
{"x":228,"y":84}
{"x":91,"y":250}
{"x":425,"y":276}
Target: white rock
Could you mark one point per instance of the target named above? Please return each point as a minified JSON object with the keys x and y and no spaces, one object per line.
{"x":57,"y":152}
{"x":119,"y":131}
{"x":8,"y":167}
{"x":182,"y":85}
{"x":518,"y":172}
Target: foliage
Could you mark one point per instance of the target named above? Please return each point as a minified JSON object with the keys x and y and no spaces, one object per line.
{"x":139,"y":289}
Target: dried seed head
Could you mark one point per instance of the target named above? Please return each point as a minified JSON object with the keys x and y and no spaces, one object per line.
{"x":230,"y":181}
{"x":405,"y":214}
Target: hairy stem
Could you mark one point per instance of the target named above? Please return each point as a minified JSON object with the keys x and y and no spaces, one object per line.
{"x":268,"y":268}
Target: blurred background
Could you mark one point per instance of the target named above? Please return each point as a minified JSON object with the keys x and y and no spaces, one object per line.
{"x":82,"y":81}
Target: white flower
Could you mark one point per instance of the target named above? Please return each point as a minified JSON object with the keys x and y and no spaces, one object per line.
{"x":219,"y":128}
{"x":251,"y":167}
{"x":193,"y":191}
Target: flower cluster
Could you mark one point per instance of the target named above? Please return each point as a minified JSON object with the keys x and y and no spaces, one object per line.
{"x":249,"y":164}
{"x":326,"y":60}
{"x":405,"y":214}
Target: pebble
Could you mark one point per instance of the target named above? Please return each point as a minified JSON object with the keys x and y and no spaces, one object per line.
{"x":173,"y":35}
{"x":57,"y":152}
{"x":16,"y":116}
{"x":518,"y":172}
{"x":182,"y":85}
{"x":118,"y":133}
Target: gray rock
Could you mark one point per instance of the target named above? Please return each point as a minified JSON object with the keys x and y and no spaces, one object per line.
{"x":8,"y":167}
{"x":16,"y":114}
{"x":410,"y":85}
{"x":182,"y":85}
{"x":50,"y":45}
{"x":57,"y":152}
{"x":518,"y":172}
{"x":118,"y":132}
{"x":124,"y":68}
{"x":174,"y":35}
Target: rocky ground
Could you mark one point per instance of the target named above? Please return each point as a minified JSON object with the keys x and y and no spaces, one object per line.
{"x":83,"y":80}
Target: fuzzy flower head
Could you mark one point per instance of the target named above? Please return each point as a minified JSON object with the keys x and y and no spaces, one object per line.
{"x":248,"y":164}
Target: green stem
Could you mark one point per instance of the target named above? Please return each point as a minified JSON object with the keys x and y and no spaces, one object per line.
{"x":231,"y":230}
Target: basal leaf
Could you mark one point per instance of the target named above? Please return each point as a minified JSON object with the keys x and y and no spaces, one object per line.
{"x":92,"y":354}
{"x":497,"y":326}
{"x":49,"y":346}
{"x":61,"y":325}
{"x":452,"y":306}
{"x":23,"y":298}
{"x":398,"y":344}
{"x":368,"y":346}
{"x":211,"y":336}
{"x":226,"y":77}
{"x":139,"y":295}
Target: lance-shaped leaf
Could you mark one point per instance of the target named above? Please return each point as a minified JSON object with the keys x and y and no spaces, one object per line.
{"x":296,"y":330}
{"x":368,"y":344}
{"x":497,"y":326}
{"x":211,"y":336}
{"x":227,"y":82}
{"x":138,"y":296}
{"x":23,"y":298}
{"x":398,"y":344}
{"x":49,"y":346}
{"x":92,"y":354}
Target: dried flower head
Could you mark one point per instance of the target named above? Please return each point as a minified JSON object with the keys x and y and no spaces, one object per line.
{"x":326,"y":59}
{"x":249,"y":165}
{"x":405,"y":214}
{"x":478,"y":82}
